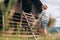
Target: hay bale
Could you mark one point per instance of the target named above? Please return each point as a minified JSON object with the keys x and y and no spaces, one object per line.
{"x":51,"y":22}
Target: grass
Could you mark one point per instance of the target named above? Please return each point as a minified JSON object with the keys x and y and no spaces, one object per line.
{"x":49,"y":37}
{"x":15,"y":38}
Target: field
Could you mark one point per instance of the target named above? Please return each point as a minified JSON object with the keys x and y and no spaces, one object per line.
{"x":48,"y":37}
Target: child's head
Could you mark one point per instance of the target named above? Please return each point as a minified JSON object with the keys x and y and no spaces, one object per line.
{"x":44,"y":7}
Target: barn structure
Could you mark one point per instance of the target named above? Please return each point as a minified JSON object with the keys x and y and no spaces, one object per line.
{"x":22,"y":23}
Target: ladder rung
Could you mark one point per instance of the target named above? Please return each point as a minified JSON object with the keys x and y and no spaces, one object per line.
{"x":29,"y":17}
{"x":28,"y":13}
{"x":16,"y":20}
{"x":12,"y":25}
{"x":13,"y":22}
{"x":24,"y":20}
{"x":31,"y":20}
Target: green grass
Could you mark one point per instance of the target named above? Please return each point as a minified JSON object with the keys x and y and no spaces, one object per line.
{"x":49,"y":37}
{"x":15,"y":38}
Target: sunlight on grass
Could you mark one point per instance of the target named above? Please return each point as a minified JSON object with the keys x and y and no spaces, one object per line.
{"x":49,"y":37}
{"x":15,"y":38}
